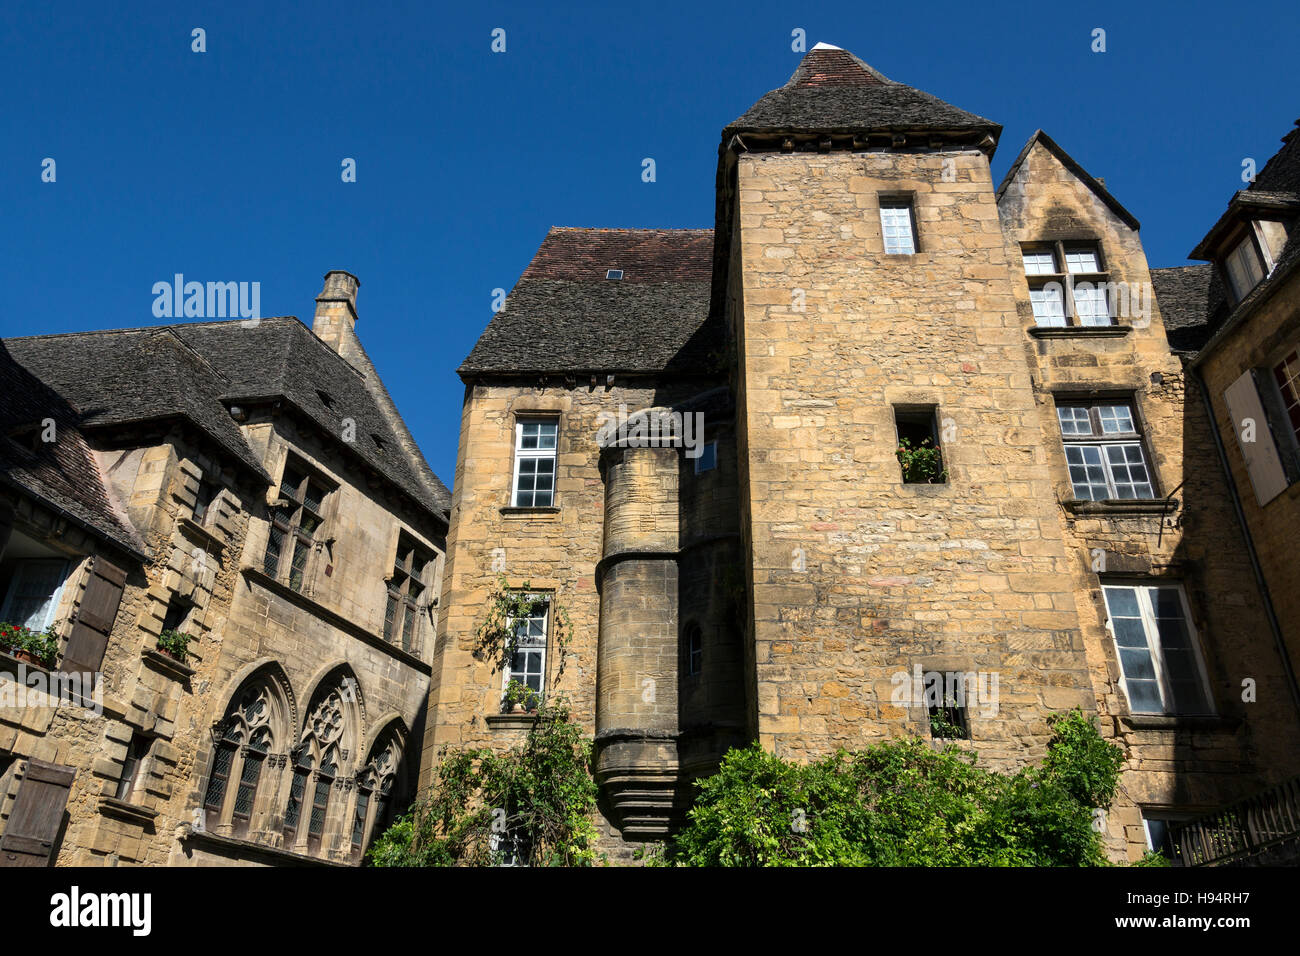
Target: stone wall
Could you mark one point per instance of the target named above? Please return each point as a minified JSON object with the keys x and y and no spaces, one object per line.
{"x":1172,"y":763}
{"x":857,"y":576}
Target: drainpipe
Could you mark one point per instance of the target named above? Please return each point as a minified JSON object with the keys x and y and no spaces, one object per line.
{"x":1273,"y":624}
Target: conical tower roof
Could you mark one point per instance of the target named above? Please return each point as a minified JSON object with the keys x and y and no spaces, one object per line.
{"x":833,"y":91}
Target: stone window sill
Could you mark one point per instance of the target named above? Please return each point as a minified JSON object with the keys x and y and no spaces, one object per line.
{"x":511,"y":721}
{"x":123,"y":810}
{"x":167,"y":664}
{"x":1210,"y":722}
{"x":513,"y":512}
{"x":1121,"y":506}
{"x":1079,"y":331}
{"x":196,"y":530}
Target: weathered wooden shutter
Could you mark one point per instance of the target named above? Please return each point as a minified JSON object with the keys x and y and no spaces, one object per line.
{"x":99,"y":605}
{"x":37,"y":815}
{"x":1249,"y":420}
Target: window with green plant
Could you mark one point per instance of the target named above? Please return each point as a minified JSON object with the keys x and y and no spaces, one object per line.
{"x":41,"y":646}
{"x":918,"y":445}
{"x":519,"y":630}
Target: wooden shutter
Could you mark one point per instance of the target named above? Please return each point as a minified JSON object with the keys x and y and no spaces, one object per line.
{"x":37,"y":815}
{"x":99,"y":605}
{"x":1262,"y":460}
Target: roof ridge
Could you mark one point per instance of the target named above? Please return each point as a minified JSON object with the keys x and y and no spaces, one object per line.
{"x":631,"y":229}
{"x":148,"y":328}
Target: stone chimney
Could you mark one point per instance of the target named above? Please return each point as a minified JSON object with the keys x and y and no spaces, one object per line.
{"x":336,"y":310}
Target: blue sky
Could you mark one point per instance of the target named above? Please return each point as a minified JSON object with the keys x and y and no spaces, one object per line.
{"x":225,"y":165}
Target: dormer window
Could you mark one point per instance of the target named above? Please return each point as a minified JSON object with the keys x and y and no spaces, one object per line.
{"x":1245,"y":268}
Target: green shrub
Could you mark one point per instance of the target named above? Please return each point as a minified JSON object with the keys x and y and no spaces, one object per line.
{"x":537,"y":799}
{"x":903,"y":803}
{"x":175,"y":643}
{"x":922,"y":464}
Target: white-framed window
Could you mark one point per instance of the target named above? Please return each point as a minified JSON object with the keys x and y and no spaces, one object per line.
{"x":1158,"y":653}
{"x":1103,"y":451}
{"x":708,"y":459}
{"x":527,"y":662}
{"x":1244,"y":266}
{"x":534,"y":481}
{"x":1067,"y":284}
{"x":35,"y":588}
{"x":896,"y":227}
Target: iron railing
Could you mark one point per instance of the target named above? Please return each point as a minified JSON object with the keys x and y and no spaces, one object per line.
{"x":1241,"y":830}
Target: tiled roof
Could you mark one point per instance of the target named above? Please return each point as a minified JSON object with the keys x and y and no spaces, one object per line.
{"x":833,"y":91}
{"x":1183,"y":295}
{"x":196,"y":371}
{"x":565,"y":316}
{"x":62,"y":473}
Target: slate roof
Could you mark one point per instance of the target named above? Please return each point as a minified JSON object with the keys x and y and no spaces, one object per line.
{"x":196,"y":371}
{"x":62,"y":473}
{"x":565,"y":316}
{"x":834,"y":91}
{"x":1183,"y":295}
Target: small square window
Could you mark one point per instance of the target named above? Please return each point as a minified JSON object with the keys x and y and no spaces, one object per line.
{"x":1039,"y":263}
{"x":1081,"y":260}
{"x":708,"y":459}
{"x":896,"y":227}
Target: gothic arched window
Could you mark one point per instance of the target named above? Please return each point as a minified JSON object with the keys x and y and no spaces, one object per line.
{"x":254,"y":725}
{"x":375,"y":787}
{"x":320,"y":759}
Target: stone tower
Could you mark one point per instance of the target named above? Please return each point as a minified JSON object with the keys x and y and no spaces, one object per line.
{"x":869,"y":291}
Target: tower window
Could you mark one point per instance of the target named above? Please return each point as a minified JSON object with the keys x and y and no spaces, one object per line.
{"x":693,"y":651}
{"x":535,"y":440}
{"x":918,"y":445}
{"x":898,"y":226}
{"x":614,"y":274}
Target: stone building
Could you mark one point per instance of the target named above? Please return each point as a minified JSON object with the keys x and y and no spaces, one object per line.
{"x":248,"y":484}
{"x":1063,"y":535}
